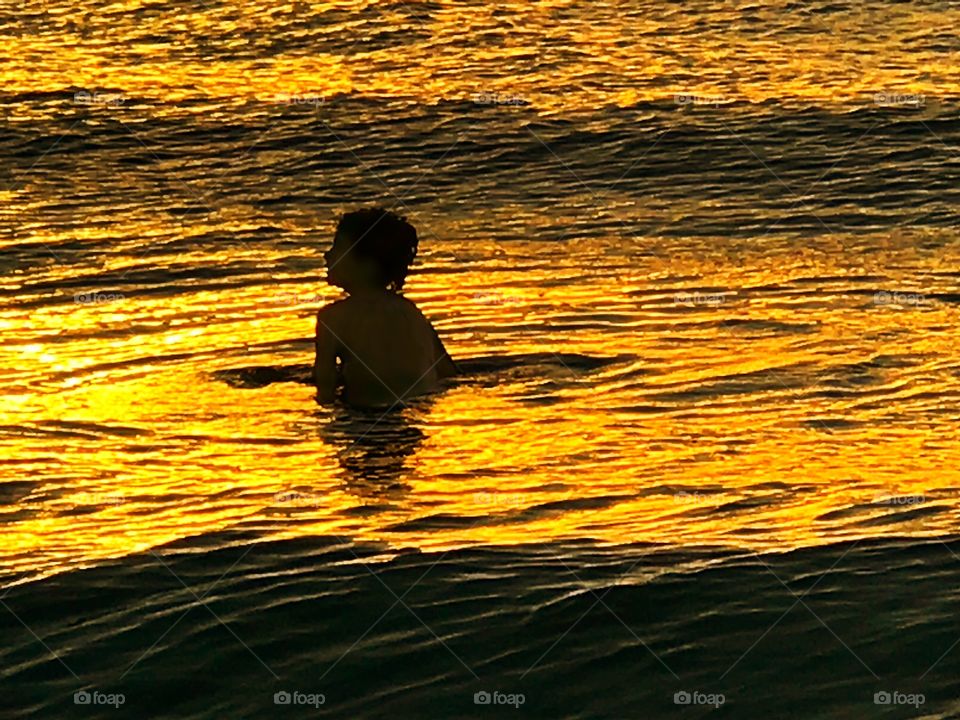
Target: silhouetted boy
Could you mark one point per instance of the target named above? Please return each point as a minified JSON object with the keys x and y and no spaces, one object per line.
{"x":388,"y":351}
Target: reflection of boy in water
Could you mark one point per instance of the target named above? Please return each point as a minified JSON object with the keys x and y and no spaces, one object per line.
{"x":374,"y":447}
{"x":387,"y":350}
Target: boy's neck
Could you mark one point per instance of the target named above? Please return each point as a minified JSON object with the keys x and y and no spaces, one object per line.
{"x":368,"y":291}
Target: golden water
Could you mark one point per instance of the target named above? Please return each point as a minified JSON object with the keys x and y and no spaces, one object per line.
{"x":759,"y":393}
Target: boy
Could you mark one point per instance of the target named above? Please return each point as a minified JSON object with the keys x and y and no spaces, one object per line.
{"x":388,"y":351}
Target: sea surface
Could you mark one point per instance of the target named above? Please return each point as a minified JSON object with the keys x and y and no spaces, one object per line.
{"x":700,"y":266}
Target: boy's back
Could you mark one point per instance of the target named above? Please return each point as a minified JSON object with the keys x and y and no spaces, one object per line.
{"x":388,"y":350}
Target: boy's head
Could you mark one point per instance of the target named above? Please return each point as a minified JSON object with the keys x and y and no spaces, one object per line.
{"x":371,"y":248}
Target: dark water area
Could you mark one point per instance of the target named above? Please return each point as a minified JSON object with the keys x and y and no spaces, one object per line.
{"x":214,"y":626}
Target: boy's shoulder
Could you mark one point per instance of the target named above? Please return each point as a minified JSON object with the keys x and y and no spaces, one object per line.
{"x":332,"y":313}
{"x":340,"y":311}
{"x":332,"y":308}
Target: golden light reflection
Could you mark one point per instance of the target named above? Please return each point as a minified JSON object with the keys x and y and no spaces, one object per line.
{"x":739,"y":423}
{"x":153,"y":447}
{"x":595,"y":59}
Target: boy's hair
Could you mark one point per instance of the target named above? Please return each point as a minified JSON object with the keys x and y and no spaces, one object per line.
{"x":384,"y":237}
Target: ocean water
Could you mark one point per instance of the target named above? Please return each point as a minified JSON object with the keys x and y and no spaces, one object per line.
{"x":699,"y":266}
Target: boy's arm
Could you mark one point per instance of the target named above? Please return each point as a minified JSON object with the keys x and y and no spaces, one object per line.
{"x":446,"y":367}
{"x":325,"y":364}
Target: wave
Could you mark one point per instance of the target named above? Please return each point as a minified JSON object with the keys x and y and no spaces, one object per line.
{"x":580,"y":630}
{"x":739,"y":171}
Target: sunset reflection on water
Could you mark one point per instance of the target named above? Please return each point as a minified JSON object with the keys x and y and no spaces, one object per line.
{"x":678,"y":386}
